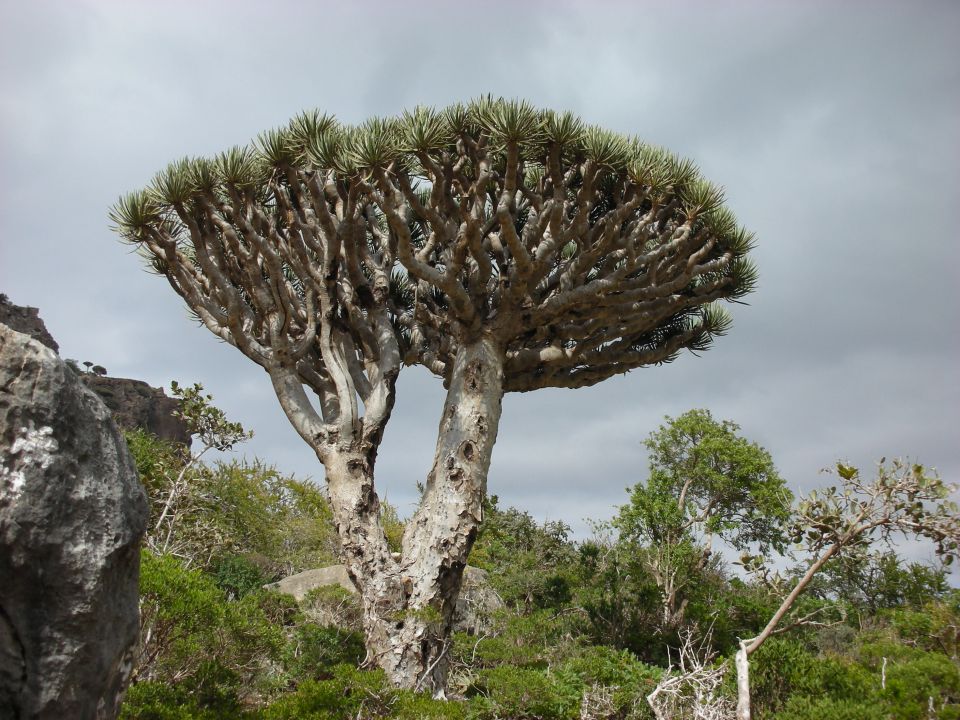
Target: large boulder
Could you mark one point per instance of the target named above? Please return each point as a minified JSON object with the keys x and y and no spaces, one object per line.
{"x":72,"y":514}
{"x":473,"y":613}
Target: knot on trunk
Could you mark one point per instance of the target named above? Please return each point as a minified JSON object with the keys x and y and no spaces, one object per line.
{"x":473,"y":375}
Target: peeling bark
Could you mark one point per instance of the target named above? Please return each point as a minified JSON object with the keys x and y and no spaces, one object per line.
{"x":409,"y":604}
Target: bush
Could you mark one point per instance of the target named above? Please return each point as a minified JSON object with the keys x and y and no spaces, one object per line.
{"x":314,"y":649}
{"x":802,"y":707}
{"x":348,"y":693}
{"x":624,"y":680}
{"x":534,"y":640}
{"x":193,"y":637}
{"x":238,"y":575}
{"x":536,"y":694}
{"x":159,"y":701}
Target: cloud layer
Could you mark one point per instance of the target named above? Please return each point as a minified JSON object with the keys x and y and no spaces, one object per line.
{"x":833,"y":128}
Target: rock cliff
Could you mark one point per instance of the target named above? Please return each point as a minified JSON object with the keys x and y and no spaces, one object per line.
{"x":133,"y":403}
{"x":27,"y":321}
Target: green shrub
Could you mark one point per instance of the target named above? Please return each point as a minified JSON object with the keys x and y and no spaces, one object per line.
{"x":197,"y":639}
{"x":535,"y":640}
{"x":802,"y":707}
{"x":348,"y":693}
{"x":626,"y":680}
{"x":313,"y":649}
{"x":238,"y":575}
{"x":407,"y":705}
{"x":522,"y":693}
{"x":333,"y":605}
{"x":911,"y":683}
{"x":159,"y":701}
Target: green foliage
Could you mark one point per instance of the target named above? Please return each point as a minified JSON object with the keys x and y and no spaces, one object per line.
{"x":789,"y":682}
{"x":158,"y":461}
{"x":704,"y":477}
{"x":873,"y":581}
{"x":238,"y":575}
{"x":620,"y":598}
{"x":627,"y":679}
{"x":232,"y":509}
{"x":154,"y":700}
{"x":348,"y":693}
{"x":208,"y":422}
{"x":529,"y":693}
{"x":538,"y":640}
{"x":804,"y":707}
{"x":194,"y":637}
{"x":393,"y":526}
{"x":705,"y":482}
{"x":312,"y":649}
{"x":529,"y":564}
{"x":333,"y":605}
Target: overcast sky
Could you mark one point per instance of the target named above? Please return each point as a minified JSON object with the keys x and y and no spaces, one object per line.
{"x":835,"y":128}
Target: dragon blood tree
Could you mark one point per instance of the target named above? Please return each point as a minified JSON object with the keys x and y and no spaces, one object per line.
{"x":504,"y":248}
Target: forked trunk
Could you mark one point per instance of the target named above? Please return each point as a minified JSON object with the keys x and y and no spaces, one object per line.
{"x":409,"y":603}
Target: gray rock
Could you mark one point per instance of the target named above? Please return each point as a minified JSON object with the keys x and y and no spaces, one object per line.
{"x":477,"y":603}
{"x":72,"y":513}
{"x":137,"y":405}
{"x":134,"y":403}
{"x":27,"y":320}
{"x":475,"y":606}
{"x":300,"y":584}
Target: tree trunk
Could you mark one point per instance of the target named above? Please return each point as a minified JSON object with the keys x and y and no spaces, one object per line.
{"x":742,"y":663}
{"x":748,"y":647}
{"x":409,"y":604}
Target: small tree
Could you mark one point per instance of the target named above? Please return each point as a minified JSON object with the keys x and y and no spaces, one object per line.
{"x":503,"y":247}
{"x":903,"y":499}
{"x":705,"y":482}
{"x":209,"y":424}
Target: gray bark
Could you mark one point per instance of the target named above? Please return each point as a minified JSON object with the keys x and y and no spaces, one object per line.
{"x":742,"y":663}
{"x":409,"y":604}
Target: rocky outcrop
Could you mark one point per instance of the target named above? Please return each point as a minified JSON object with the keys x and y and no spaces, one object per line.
{"x":72,"y":513}
{"x":135,"y":404}
{"x":26,"y":320}
{"x":475,"y":606}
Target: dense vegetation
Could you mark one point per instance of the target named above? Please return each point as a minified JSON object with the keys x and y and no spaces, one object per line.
{"x":589,"y":628}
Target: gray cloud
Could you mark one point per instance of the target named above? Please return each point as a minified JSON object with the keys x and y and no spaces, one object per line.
{"x":832,"y":127}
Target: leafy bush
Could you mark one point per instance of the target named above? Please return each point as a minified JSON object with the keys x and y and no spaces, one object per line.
{"x":527,"y":693}
{"x":534,"y":640}
{"x":530,"y":564}
{"x":626,"y":680}
{"x":333,"y":605}
{"x":313,"y":649}
{"x":238,"y":575}
{"x":230,"y":509}
{"x":348,"y":693}
{"x":154,"y":700}
{"x":194,"y":637}
{"x":804,"y":707}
